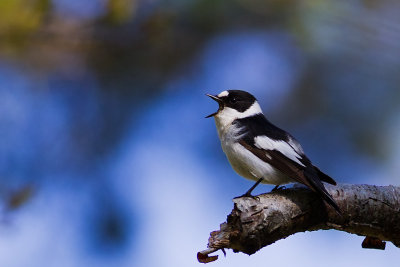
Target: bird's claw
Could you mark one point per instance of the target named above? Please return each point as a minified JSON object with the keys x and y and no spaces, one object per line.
{"x":278,"y":188}
{"x":248,"y":195}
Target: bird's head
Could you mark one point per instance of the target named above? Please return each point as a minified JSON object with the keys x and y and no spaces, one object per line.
{"x":234,"y":104}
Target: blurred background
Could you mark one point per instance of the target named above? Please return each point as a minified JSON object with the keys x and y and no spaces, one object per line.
{"x":106,"y":158}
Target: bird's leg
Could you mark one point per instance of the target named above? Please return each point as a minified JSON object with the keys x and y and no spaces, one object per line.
{"x":278,"y":187}
{"x":248,"y":193}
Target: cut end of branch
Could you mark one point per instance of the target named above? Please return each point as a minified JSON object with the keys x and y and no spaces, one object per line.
{"x":218,"y":241}
{"x":203,"y":257}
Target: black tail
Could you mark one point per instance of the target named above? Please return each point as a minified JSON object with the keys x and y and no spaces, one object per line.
{"x":328,"y":198}
{"x":318,"y":187}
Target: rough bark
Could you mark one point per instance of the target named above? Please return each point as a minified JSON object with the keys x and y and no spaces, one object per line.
{"x":367,"y":210}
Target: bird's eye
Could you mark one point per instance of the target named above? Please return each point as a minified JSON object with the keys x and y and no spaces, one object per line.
{"x":233,"y":100}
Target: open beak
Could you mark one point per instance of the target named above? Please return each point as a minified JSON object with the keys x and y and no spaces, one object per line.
{"x":216,"y":98}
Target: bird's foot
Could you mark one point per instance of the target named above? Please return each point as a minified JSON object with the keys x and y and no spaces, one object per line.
{"x":247,"y":194}
{"x":278,"y":188}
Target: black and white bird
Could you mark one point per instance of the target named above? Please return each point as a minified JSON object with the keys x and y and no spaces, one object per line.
{"x":260,"y":151}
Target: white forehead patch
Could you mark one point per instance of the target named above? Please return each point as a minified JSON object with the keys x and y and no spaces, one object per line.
{"x":224,"y":93}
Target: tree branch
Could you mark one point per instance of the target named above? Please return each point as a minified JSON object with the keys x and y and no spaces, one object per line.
{"x":372,"y":211}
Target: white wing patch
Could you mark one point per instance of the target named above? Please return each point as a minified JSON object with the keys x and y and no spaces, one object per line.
{"x":287,"y":149}
{"x":296,"y":146}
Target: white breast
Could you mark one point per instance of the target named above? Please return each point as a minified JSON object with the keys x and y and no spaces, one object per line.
{"x":244,"y":162}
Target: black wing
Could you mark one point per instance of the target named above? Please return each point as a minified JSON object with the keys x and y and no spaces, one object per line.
{"x":297,"y":147}
{"x":324,"y":177}
{"x":306,"y":174}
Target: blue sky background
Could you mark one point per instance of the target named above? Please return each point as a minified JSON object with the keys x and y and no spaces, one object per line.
{"x":102,"y":117}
